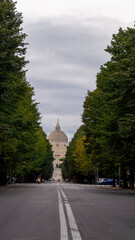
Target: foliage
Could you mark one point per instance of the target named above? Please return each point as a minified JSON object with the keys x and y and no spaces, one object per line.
{"x":20,"y":133}
{"x":77,"y":164}
{"x":83,"y":164}
{"x":109,"y":111}
{"x":68,"y":168}
{"x":43,"y":164}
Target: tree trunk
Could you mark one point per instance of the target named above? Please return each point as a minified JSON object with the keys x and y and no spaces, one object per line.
{"x":3,"y":179}
{"x":124,"y":178}
{"x":132,"y":179}
{"x":113,"y":181}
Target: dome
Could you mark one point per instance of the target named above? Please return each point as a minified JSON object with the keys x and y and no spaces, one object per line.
{"x":57,"y":135}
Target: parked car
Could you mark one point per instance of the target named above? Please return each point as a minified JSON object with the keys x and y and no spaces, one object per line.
{"x":103,"y":180}
{"x":107,"y":181}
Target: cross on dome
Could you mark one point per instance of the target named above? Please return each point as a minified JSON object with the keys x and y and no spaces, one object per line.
{"x":57,"y":128}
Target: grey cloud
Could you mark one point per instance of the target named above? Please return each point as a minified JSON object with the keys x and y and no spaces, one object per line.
{"x":61,"y":101}
{"x":53,"y":84}
{"x":65,"y":55}
{"x":69,"y":108}
{"x":74,"y":43}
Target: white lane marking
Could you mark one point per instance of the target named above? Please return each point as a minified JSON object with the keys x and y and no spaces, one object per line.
{"x":73,"y":225}
{"x":63,"y":224}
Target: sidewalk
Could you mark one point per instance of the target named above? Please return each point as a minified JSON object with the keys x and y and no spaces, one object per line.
{"x":116,"y":188}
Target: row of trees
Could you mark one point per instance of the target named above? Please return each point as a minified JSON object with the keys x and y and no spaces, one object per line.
{"x":24,"y":148}
{"x":77,"y":165}
{"x":109,"y":114}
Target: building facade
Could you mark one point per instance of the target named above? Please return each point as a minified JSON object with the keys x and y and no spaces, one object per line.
{"x":59,"y":142}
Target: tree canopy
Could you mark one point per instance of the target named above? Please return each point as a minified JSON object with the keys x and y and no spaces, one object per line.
{"x":77,"y":165}
{"x":109,"y":111}
{"x":106,"y":141}
{"x":20,"y":131}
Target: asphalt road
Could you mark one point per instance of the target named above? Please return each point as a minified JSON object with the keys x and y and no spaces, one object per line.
{"x":62,"y":211}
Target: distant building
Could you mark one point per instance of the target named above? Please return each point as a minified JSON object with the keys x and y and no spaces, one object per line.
{"x":59,"y":142}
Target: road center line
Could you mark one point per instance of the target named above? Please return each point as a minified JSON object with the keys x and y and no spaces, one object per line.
{"x":63,"y":224}
{"x":72,"y":223}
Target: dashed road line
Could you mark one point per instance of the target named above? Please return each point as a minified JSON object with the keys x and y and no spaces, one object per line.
{"x":72,"y":223}
{"x":63,"y":224}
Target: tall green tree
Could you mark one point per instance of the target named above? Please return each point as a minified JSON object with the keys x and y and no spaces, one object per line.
{"x":114,"y":115}
{"x":68,"y":167}
{"x":82,"y":161}
{"x":121,"y":68}
{"x":19,"y":116}
{"x":77,"y":165}
{"x":43,"y":162}
{"x":12,"y":77}
{"x":97,"y":135}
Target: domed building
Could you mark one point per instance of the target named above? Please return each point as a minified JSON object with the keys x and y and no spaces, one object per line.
{"x":59,"y":142}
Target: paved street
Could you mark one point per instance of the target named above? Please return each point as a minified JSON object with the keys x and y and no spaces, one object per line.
{"x":63,"y":211}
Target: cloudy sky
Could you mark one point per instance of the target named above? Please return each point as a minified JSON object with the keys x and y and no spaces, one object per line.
{"x":66,"y":40}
